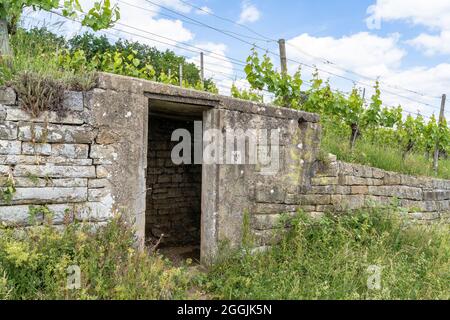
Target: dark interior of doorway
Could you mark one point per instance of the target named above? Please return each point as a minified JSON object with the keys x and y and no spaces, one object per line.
{"x":173,"y":206}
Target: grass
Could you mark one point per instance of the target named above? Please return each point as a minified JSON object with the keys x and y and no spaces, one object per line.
{"x":382,"y":156}
{"x":36,"y":264}
{"x":319,"y":259}
{"x":333,"y":259}
{"x":36,"y":52}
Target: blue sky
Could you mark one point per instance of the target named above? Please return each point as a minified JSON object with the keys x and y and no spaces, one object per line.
{"x":404,"y":43}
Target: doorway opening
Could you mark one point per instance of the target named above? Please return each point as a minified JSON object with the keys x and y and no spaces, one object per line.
{"x":174,"y":191}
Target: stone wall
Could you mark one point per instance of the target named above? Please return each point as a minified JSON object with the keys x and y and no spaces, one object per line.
{"x":341,"y":187}
{"x":53,"y":161}
{"x":173,"y":191}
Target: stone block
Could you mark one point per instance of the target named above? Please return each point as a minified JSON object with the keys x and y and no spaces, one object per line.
{"x":330,"y":189}
{"x":10,"y":147}
{"x":2,"y":112}
{"x":75,"y":151}
{"x":29,"y":182}
{"x":95,"y":212}
{"x":347,"y":202}
{"x":55,"y":171}
{"x":314,"y":199}
{"x":68,"y":161}
{"x":8,"y":131}
{"x":436,"y":195}
{"x":7,"y":96}
{"x":48,"y":195}
{"x":392,"y":179}
{"x":55,"y":133}
{"x":401,"y":192}
{"x":29,"y":148}
{"x":21,"y":159}
{"x":73,"y":100}
{"x":353,"y":181}
{"x":17,"y":114}
{"x":359,"y":189}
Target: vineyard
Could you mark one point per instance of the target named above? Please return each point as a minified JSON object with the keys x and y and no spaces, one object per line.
{"x":350,"y":123}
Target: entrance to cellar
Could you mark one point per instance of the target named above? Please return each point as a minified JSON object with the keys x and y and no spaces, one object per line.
{"x":174,"y":190}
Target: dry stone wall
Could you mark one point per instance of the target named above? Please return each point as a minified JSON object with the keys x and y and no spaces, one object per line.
{"x":52,"y":161}
{"x":342,"y":187}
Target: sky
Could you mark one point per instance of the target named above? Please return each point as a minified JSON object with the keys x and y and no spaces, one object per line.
{"x":403,"y":43}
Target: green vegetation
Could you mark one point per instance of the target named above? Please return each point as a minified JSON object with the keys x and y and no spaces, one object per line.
{"x":331,"y":258}
{"x":100,"y":16}
{"x":36,"y":263}
{"x":355,"y":130}
{"x":72,"y":64}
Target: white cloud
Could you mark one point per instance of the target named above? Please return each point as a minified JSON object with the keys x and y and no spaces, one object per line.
{"x":434,"y":15}
{"x":372,"y":56}
{"x":249,"y":13}
{"x":203,"y":11}
{"x":362,"y":52}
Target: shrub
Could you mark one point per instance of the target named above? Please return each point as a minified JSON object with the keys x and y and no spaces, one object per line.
{"x":332,"y":258}
{"x":34,"y":264}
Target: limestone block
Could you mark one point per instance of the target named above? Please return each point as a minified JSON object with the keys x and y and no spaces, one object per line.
{"x":359,"y":189}
{"x":73,"y":100}
{"x":401,"y":192}
{"x":29,"y":148}
{"x":8,"y":131}
{"x":17,"y":114}
{"x":49,"y":195}
{"x":55,"y":171}
{"x":75,"y":151}
{"x":312,"y":199}
{"x":332,"y":189}
{"x":378,"y":173}
{"x":347,"y":202}
{"x":436,"y":195}
{"x":2,"y":112}
{"x":392,"y":179}
{"x":29,"y":182}
{"x":7,"y":96}
{"x":353,"y":181}
{"x":55,"y":133}
{"x":95,"y":212}
{"x":10,"y":147}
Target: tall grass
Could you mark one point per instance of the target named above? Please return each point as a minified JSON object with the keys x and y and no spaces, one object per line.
{"x":332,"y":259}
{"x":36,"y":51}
{"x":382,"y":156}
{"x":35,"y":264}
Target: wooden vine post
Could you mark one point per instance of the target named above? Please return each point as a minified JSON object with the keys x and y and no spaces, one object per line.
{"x":441,"y":121}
